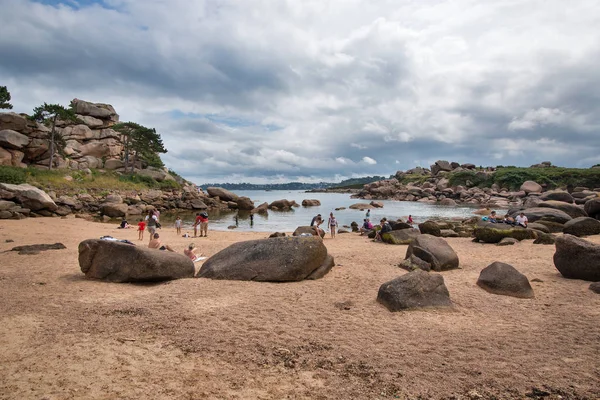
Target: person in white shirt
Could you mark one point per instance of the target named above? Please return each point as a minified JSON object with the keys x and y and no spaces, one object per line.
{"x":522,"y":220}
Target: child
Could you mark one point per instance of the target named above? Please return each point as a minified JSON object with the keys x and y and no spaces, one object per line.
{"x":141,"y":229}
{"x":178,"y":225}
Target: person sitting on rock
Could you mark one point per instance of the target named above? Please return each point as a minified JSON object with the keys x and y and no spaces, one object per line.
{"x":385,"y":227}
{"x":410,"y":220}
{"x":318,"y":231}
{"x":522,"y":220}
{"x":367,"y":226}
{"x":492,"y":217}
{"x":155,"y":243}
{"x":509,"y":220}
{"x":191,"y":252}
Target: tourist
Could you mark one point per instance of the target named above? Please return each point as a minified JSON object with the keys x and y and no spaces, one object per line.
{"x":332,"y":223}
{"x":151,"y":223}
{"x":385,"y":227}
{"x":124,"y":224}
{"x":318,"y":221}
{"x":410,"y":220}
{"x":318,"y":216}
{"x":522,"y":220}
{"x":492,"y":217}
{"x":196,"y":224}
{"x":509,"y":220}
{"x":178,"y":225}
{"x":204,"y":224}
{"x":368,"y":215}
{"x":366,"y":227}
{"x":191,"y":252}
{"x":251,"y":220}
{"x":141,"y":229}
{"x":155,"y":243}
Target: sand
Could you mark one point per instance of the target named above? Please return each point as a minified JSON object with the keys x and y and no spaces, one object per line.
{"x":63,"y":336}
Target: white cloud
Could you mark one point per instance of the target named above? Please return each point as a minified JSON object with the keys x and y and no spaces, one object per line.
{"x":369,"y":160}
{"x":297,"y":87}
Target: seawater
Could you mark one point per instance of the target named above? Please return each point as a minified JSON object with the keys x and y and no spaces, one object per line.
{"x":286,"y":221}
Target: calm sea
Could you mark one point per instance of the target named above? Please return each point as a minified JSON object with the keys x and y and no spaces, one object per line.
{"x":287,"y":221}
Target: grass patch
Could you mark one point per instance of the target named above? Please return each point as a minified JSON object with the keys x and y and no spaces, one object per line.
{"x":81,"y":182}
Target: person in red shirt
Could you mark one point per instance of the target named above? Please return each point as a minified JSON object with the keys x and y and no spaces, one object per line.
{"x":141,"y":229}
{"x":204,"y":224}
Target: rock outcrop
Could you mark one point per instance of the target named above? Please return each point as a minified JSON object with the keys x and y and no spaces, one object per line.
{"x":582,"y":226}
{"x":415,"y":290}
{"x":401,"y":236}
{"x":576,"y":258}
{"x":494,"y":233}
{"x":504,"y":279}
{"x":120,"y":262}
{"x":310,"y":203}
{"x":307,"y":230}
{"x":278,"y":259}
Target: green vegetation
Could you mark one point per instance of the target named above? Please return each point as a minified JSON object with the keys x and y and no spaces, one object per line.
{"x":5,"y":98}
{"x":144,"y":142}
{"x":414,"y":179}
{"x":357,"y":183}
{"x":57,"y":179}
{"x":48,"y":114}
{"x":512,"y":177}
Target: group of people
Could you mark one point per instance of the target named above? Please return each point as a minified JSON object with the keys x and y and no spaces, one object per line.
{"x":520,"y":220}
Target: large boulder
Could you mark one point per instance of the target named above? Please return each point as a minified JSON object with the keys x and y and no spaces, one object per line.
{"x":557,"y":195}
{"x":360,"y":206}
{"x":310,"y":203}
{"x":494,"y":233}
{"x":156,"y":174}
{"x":283,"y":204}
{"x":97,"y":110}
{"x":582,"y":226}
{"x":417,"y":289}
{"x":576,"y":258}
{"x":30,"y":197}
{"x":113,"y":164}
{"x":10,"y":139}
{"x":434,"y":251}
{"x":430,"y":228}
{"x":504,"y":279}
{"x":222,"y":194}
{"x":531,"y":187}
{"x":120,"y":262}
{"x":592,"y":207}
{"x":572,"y":210}
{"x":439,"y":166}
{"x":114,"y":210}
{"x":402,"y":236}
{"x":261,"y":209}
{"x":307,"y":230}
{"x":244,"y":203}
{"x":545,"y":213}
{"x":280,"y":259}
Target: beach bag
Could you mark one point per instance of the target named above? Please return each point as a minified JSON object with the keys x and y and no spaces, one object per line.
{"x":158,"y":225}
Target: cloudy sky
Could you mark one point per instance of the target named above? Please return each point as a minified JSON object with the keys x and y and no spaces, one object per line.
{"x":279,"y":90}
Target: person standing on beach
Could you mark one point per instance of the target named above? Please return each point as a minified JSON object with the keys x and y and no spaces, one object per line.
{"x":196,"y":224}
{"x":141,"y":229}
{"x":151,"y":223}
{"x":204,"y":224}
{"x":332,"y":223}
{"x":251,"y":220}
{"x":178,"y":225}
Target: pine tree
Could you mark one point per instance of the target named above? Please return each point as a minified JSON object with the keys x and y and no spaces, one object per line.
{"x":48,"y":114}
{"x":5,"y":98}
{"x":143,"y":142}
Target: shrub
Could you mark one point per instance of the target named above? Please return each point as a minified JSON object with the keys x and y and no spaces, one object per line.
{"x":13,"y":175}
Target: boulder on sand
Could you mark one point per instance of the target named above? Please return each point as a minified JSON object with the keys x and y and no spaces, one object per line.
{"x":417,"y":289}
{"x":576,"y":258}
{"x":582,"y":226}
{"x":307,"y":229}
{"x":545,"y":213}
{"x":114,"y":210}
{"x":504,"y":279}
{"x":494,"y":233}
{"x":280,"y":259}
{"x":434,"y":251}
{"x":430,"y":228}
{"x":592,"y":207}
{"x":402,"y":236}
{"x":30,"y":197}
{"x":120,"y":262}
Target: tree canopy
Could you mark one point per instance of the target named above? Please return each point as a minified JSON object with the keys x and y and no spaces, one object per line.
{"x":48,"y":114}
{"x":5,"y":98}
{"x":145,"y":143}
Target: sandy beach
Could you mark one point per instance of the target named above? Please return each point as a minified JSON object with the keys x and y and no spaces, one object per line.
{"x":63,"y":336}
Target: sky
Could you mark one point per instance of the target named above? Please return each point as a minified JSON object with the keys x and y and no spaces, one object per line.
{"x":272,"y":91}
